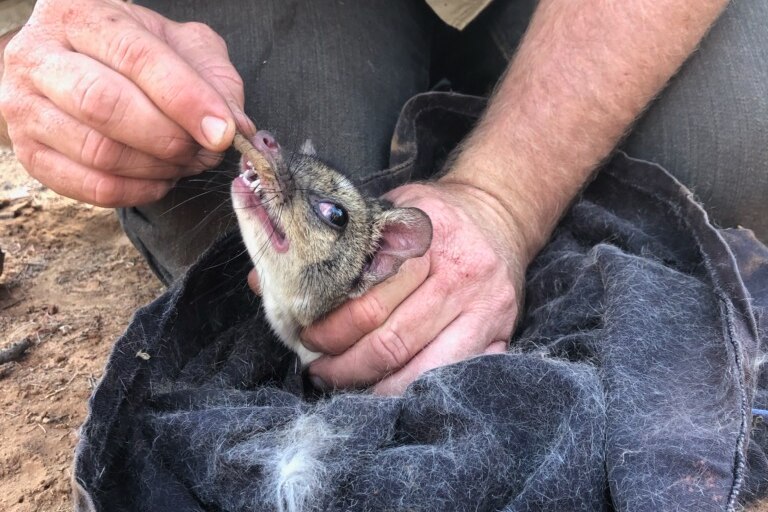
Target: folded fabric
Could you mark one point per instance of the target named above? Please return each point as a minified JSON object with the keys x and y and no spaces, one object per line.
{"x":629,"y":384}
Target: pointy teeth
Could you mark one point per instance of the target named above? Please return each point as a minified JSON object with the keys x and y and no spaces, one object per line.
{"x":253,"y":181}
{"x":250,"y":177}
{"x":249,"y":173}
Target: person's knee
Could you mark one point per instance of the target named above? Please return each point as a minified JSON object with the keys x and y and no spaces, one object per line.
{"x":710,"y":126}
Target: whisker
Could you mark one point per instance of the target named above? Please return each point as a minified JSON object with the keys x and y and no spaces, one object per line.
{"x":201,"y":222}
{"x":233,"y":258}
{"x":169,"y":210}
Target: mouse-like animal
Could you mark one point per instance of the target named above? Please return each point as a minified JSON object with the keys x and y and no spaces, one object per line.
{"x":314,"y":238}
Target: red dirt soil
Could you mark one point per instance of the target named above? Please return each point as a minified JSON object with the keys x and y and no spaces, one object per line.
{"x":70,"y":283}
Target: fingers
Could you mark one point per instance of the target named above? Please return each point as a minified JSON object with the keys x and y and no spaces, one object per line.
{"x":78,"y":182}
{"x":97,"y":88}
{"x":207,"y":53}
{"x":110,"y":103}
{"x":359,"y":316}
{"x":171,"y":83}
{"x":497,"y":347}
{"x":413,"y":324}
{"x":466,"y":337}
{"x":253,"y":282}
{"x":90,"y":148}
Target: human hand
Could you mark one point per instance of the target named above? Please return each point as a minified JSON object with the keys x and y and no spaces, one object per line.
{"x":458,"y":300}
{"x":110,"y":103}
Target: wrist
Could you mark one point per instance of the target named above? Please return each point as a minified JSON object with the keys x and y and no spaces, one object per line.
{"x":500,"y":181}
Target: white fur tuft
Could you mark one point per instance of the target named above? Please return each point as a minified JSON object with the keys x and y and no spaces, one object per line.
{"x":299,"y":473}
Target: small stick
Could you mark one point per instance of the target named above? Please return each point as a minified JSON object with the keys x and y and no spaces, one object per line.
{"x":6,"y":369}
{"x":62,"y":388}
{"x":15,"y":351}
{"x":260,"y":164}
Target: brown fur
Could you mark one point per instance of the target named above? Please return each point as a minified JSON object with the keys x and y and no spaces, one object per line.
{"x":323,"y":266}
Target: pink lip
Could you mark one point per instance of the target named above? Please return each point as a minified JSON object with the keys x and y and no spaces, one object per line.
{"x":254,"y":205}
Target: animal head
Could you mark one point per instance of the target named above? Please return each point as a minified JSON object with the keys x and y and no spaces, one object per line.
{"x":314,"y":238}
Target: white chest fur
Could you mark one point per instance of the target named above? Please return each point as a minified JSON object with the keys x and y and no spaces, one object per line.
{"x":283,"y":323}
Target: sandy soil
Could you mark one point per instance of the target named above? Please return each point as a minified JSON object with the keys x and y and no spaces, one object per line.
{"x":70,"y":283}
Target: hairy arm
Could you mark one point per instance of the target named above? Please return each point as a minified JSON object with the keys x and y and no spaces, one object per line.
{"x":582,"y":75}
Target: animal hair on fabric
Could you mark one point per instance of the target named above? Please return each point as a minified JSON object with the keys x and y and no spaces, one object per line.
{"x":629,"y":385}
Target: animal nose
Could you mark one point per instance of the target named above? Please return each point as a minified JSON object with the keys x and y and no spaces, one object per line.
{"x":265,"y":142}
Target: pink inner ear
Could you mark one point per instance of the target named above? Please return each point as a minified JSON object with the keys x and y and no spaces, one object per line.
{"x":406,"y":236}
{"x":406,"y":241}
{"x":382,"y":266}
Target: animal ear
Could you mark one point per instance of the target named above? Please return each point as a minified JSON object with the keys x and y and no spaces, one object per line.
{"x":308,"y":148}
{"x":405,"y":233}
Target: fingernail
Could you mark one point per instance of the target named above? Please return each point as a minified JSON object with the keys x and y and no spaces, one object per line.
{"x":318,"y":382}
{"x":214,"y":129}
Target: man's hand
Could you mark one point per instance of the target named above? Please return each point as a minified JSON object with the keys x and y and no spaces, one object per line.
{"x":581,"y":75}
{"x":458,"y":300}
{"x":110,"y":103}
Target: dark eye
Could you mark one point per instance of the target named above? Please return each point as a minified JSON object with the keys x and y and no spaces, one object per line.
{"x":332,"y":213}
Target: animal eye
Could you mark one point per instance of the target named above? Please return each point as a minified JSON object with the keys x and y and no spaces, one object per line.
{"x":332,"y":213}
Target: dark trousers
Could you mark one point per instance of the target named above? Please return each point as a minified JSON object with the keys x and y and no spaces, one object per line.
{"x":339,"y":73}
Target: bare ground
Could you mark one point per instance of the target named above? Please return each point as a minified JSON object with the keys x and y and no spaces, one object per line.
{"x":70,"y":284}
{"x":71,"y":281}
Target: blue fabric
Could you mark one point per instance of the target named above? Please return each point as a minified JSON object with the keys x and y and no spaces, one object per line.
{"x":629,"y":384}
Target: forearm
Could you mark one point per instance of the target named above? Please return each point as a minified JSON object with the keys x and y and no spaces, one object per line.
{"x":583,"y":73}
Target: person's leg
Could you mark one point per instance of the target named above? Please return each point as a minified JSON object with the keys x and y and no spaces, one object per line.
{"x":708,"y":128}
{"x":337,"y":73}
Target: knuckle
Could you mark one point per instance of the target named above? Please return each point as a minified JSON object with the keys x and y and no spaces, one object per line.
{"x":103,"y":191}
{"x":157,"y":191}
{"x":368,"y":312}
{"x":131,"y":52}
{"x":236,"y":82}
{"x":391,"y":349}
{"x":16,"y":103}
{"x":171,"y":148}
{"x":203,"y":31}
{"x":35,"y":159}
{"x":15,"y":51}
{"x":8,"y":107}
{"x":205,"y":34}
{"x":486,"y":262}
{"x":97,"y":100}
{"x":27,"y":156}
{"x":100,"y":152}
{"x":508,"y":297}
